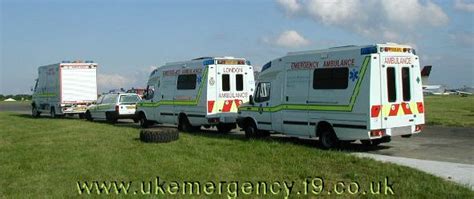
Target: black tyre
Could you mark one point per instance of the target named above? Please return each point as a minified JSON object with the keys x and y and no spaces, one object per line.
{"x":52,"y":113}
{"x":110,"y":117}
{"x":159,"y":135}
{"x":34,"y":112}
{"x":370,"y":143}
{"x":185,"y":126}
{"x":81,"y":116}
{"x":224,"y":128}
{"x":144,"y":123}
{"x":136,"y":120}
{"x":88,"y":116}
{"x":250,"y":130}
{"x":328,"y":139}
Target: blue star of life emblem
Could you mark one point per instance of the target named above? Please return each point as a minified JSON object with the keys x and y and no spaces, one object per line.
{"x":354,"y":74}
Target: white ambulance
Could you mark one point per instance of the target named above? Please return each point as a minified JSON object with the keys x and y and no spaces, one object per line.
{"x":202,"y":92}
{"x":341,"y":94}
{"x":65,"y":88}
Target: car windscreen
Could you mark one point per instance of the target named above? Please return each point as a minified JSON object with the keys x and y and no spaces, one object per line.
{"x":129,"y":99}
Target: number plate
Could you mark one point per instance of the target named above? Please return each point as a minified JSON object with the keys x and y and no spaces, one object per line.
{"x":401,"y":130}
{"x":130,"y":107}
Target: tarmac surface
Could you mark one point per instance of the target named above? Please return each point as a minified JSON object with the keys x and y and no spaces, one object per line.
{"x":447,"y":152}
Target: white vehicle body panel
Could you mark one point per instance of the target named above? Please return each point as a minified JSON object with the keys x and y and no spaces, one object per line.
{"x":203,"y":100}
{"x":66,"y":87}
{"x":111,"y":103}
{"x":354,"y":99}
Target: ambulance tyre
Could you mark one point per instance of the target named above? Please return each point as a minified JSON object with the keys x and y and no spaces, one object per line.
{"x":370,"y":143}
{"x":159,"y":135}
{"x":144,"y":123}
{"x":250,"y":130}
{"x":328,"y":139}
{"x":34,"y":111}
{"x":88,"y":116}
{"x":224,"y":128}
{"x":185,"y":125}
{"x":81,"y":116}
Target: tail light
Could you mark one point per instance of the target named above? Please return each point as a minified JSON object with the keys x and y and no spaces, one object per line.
{"x":117,"y":108}
{"x":418,"y":128}
{"x":375,"y":110}
{"x":421,"y":108}
{"x":377,"y":133}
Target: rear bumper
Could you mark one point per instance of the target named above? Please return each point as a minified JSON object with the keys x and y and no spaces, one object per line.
{"x":222,"y":118}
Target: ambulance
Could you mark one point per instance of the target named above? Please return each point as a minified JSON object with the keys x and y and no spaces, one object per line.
{"x":339,"y":95}
{"x":65,"y":88}
{"x":201,"y":92}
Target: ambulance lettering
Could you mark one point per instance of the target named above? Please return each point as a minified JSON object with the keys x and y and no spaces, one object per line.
{"x":397,"y":60}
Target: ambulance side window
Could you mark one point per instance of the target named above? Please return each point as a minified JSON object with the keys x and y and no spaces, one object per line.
{"x":186,"y":82}
{"x":99,"y":101}
{"x":263,"y":92}
{"x":330,"y":78}
{"x":391,"y":85}
{"x":150,"y":91}
{"x":225,"y":82}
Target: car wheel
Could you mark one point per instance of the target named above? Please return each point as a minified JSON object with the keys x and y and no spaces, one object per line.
{"x":159,"y":135}
{"x":88,"y":116}
{"x":34,"y":112}
{"x":328,"y":139}
{"x":110,"y":118}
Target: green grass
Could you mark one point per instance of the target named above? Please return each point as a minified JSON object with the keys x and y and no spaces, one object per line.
{"x":48,"y":156}
{"x":450,"y":110}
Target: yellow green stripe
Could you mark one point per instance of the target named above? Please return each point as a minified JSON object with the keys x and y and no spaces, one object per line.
{"x":193,"y":102}
{"x":318,"y":107}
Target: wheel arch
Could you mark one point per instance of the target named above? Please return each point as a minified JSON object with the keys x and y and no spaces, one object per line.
{"x":323,"y":125}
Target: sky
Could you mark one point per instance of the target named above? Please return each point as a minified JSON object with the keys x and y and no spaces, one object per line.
{"x":128,"y":38}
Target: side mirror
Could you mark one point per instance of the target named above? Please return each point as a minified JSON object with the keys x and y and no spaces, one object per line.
{"x":251,"y":102}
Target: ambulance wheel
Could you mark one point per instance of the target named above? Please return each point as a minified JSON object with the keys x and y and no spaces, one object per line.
{"x":159,"y":135}
{"x":185,"y":125}
{"x":328,"y":139}
{"x":88,"y":116}
{"x":81,"y":116}
{"x":144,"y":123}
{"x":35,"y":112}
{"x":250,"y":130}
{"x":224,"y":128}
{"x":135,"y":120}
{"x":370,"y":143}
{"x":110,"y":118}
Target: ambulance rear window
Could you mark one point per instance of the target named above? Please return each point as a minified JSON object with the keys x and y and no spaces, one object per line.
{"x":225,"y":82}
{"x":406,"y":84}
{"x":186,"y":82}
{"x":239,"y":82}
{"x":330,"y":78}
{"x":391,"y":87}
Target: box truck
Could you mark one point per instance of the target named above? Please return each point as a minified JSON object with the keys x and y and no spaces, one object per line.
{"x":65,"y":88}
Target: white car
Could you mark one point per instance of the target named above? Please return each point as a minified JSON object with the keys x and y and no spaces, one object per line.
{"x":114,"y":106}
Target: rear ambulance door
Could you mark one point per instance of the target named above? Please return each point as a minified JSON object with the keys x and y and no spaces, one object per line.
{"x":397,"y":77}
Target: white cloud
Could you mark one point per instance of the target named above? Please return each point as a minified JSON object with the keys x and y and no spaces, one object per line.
{"x":465,"y":39}
{"x":112,"y":81}
{"x":377,"y":19}
{"x":464,"y":6}
{"x":287,"y":39}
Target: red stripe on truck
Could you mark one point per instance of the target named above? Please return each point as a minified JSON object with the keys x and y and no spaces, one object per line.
{"x":238,"y":102}
{"x":394,"y":110}
{"x":210,"y":106}
{"x":375,"y":110}
{"x":227,"y":106}
{"x":406,"y":109}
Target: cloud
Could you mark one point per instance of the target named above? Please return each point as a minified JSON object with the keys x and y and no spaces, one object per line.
{"x":112,"y":81}
{"x":465,"y":39}
{"x":464,"y":6}
{"x":288,"y":39}
{"x":377,"y":19}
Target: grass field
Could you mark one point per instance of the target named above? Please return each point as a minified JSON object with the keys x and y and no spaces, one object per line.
{"x":450,"y":110}
{"x":49,"y":156}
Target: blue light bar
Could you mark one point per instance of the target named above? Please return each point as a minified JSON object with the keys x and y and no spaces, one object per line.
{"x":248,"y":62}
{"x":208,"y":62}
{"x":368,"y":50}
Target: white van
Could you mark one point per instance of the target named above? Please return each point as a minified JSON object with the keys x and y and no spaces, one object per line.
{"x":202,"y":92}
{"x":348,"y":93}
{"x":65,"y":88}
{"x":114,"y":106}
